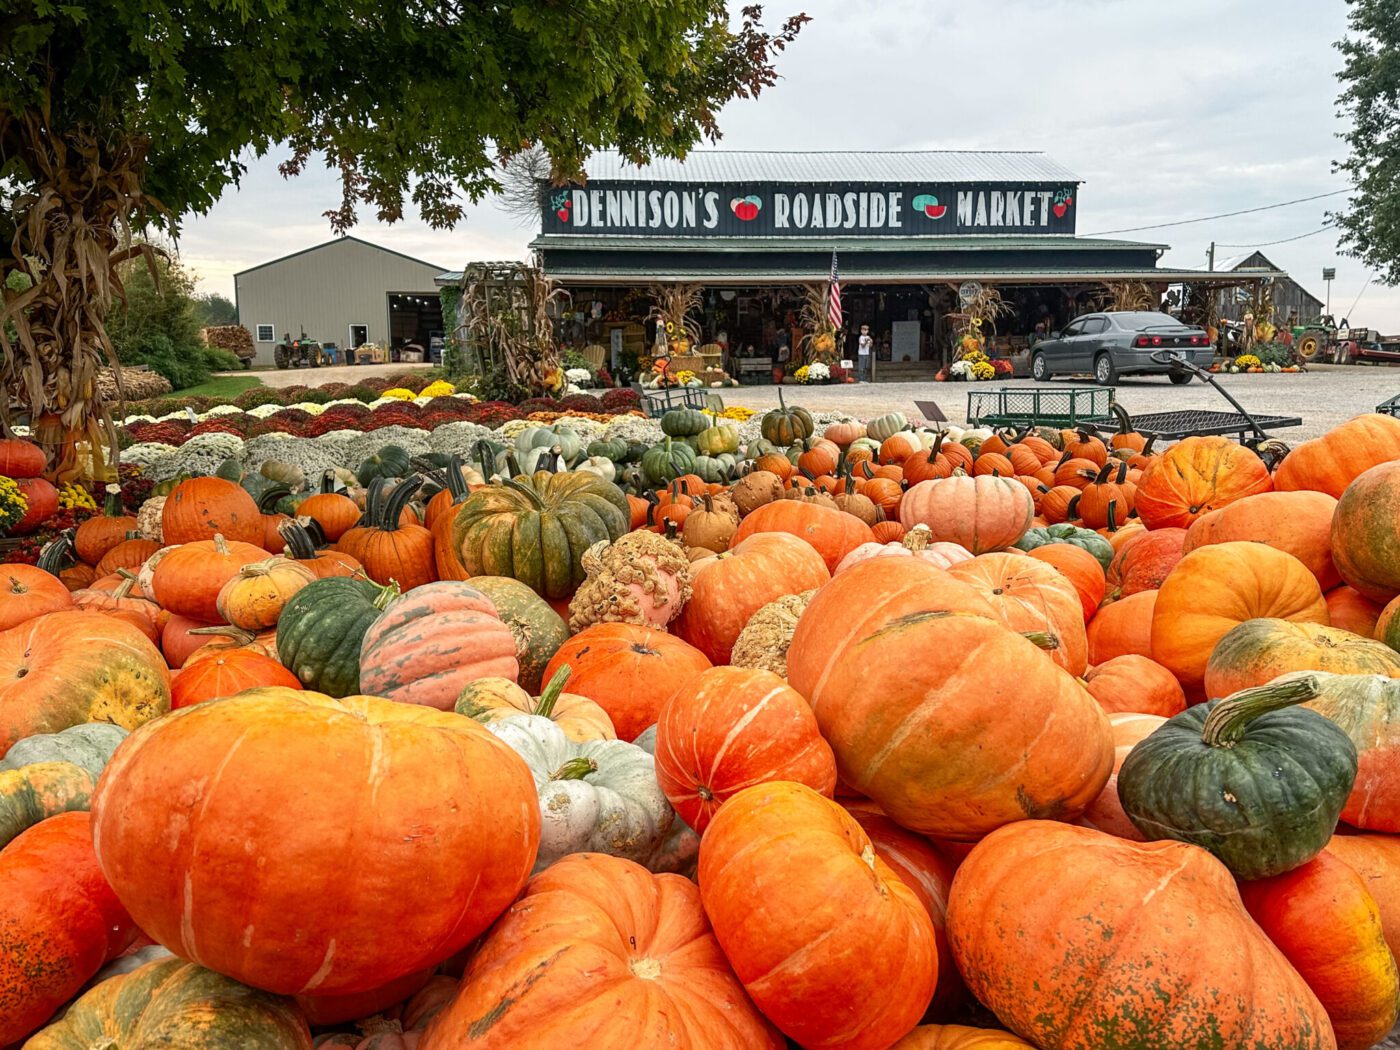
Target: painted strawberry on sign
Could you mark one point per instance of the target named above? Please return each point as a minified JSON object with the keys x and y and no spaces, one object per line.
{"x":747,"y":208}
{"x":1064,"y":199}
{"x":562,"y":203}
{"x":928,"y":204}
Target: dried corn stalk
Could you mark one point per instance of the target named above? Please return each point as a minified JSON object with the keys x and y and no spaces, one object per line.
{"x":505,"y":314}
{"x":822,"y":337}
{"x":672,"y":309}
{"x":1130,"y":296}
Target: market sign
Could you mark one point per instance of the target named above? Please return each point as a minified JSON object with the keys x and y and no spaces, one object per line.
{"x":819,"y":211}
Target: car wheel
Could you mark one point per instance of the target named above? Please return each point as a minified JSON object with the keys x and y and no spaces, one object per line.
{"x":1040,"y":371}
{"x":1104,"y":372}
{"x":1180,"y":378}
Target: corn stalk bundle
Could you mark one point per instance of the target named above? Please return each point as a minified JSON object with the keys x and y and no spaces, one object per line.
{"x":506,"y":314}
{"x":822,"y":337}
{"x":672,"y":308}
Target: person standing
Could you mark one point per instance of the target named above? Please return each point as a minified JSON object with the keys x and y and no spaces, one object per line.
{"x":865,"y":349}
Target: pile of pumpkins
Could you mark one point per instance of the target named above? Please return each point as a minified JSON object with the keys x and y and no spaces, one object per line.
{"x":874,"y":738}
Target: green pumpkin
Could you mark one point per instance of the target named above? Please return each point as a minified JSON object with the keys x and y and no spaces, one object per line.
{"x":720,"y":438}
{"x":783,"y":425}
{"x":41,"y":790}
{"x":713,"y":469}
{"x":391,"y":461}
{"x":882,"y":428}
{"x":533,"y":437}
{"x":539,"y":631}
{"x":230,"y":470}
{"x":173,"y":1003}
{"x":536,"y":529}
{"x":636,"y":450}
{"x":666,"y":462}
{"x":1084,"y":539}
{"x":1254,"y":779}
{"x":614,"y":449}
{"x":570,"y":445}
{"x":89,"y":745}
{"x":760,"y":447}
{"x":321,"y":628}
{"x":684,"y":422}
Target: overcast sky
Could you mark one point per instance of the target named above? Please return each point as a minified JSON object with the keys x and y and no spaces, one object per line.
{"x":1167,"y":111}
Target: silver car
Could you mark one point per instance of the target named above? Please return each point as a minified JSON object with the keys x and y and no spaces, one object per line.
{"x":1113,"y":344}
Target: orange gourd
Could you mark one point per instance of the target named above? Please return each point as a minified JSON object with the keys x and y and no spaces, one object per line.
{"x":1031,"y":597}
{"x":1196,"y":476}
{"x":227,"y":673}
{"x":1297,"y":523}
{"x":188,"y":579}
{"x":1132,"y":684}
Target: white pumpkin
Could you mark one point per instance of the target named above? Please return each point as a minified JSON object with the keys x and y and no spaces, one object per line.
{"x":600,"y":465}
{"x":680,"y":849}
{"x":596,"y":796}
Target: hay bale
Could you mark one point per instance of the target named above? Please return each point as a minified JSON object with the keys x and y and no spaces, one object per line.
{"x":231,"y":337}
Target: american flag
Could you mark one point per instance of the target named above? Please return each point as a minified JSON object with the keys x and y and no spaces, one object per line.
{"x":833,"y":295}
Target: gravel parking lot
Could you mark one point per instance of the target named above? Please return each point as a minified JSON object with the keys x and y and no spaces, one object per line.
{"x":1323,"y":396}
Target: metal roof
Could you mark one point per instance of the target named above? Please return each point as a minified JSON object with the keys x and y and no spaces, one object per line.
{"x":331,"y":243}
{"x":975,"y":242}
{"x":835,"y":166}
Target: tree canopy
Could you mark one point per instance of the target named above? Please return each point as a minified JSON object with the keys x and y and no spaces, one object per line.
{"x":118,"y":113}
{"x":1370,"y":225}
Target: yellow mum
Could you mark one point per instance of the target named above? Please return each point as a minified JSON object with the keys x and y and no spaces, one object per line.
{"x":438,"y":388}
{"x":13,"y":505}
{"x":399,"y":393}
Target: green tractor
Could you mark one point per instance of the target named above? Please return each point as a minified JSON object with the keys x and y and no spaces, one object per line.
{"x":298,"y":353}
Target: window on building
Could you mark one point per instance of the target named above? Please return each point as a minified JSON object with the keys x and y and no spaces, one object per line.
{"x":359,"y":334}
{"x":265,"y":333}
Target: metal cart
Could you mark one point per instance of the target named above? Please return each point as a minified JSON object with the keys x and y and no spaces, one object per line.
{"x":1040,"y":406}
{"x":1250,"y":430}
{"x":1390,"y":407}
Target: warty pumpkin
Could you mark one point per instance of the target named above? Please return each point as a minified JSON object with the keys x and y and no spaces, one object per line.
{"x":1071,"y":535}
{"x":60,"y":923}
{"x":730,"y":728}
{"x":982,"y":514}
{"x":427,"y":645}
{"x":1253,"y":778}
{"x":1032,"y":598}
{"x":1333,"y":461}
{"x":1258,"y":651}
{"x":1196,"y":476}
{"x":1321,"y":917}
{"x":223,"y":891}
{"x":27,"y":591}
{"x":489,"y":700}
{"x":842,"y":953}
{"x":1144,"y":946}
{"x":826,"y":530}
{"x":635,"y":952}
{"x":201,"y":508}
{"x":188,"y":579}
{"x":322,"y":629}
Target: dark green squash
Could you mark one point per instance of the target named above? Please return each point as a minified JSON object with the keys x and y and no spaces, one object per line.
{"x":667,"y":461}
{"x":89,"y":745}
{"x":684,"y":422}
{"x":391,"y":461}
{"x":1085,"y":539}
{"x":614,"y":449}
{"x":536,"y":529}
{"x":173,"y":1003}
{"x":321,"y":629}
{"x":539,"y":631}
{"x":1254,"y":779}
{"x":785,"y":426}
{"x":41,"y":790}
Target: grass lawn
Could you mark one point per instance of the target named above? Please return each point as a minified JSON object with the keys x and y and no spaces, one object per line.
{"x":226,"y":387}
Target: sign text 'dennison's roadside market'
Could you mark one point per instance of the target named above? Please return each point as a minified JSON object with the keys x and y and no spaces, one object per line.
{"x":793,"y":210}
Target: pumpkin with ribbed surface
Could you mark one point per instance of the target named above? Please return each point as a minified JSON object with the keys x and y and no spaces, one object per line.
{"x":1105,"y":813}
{"x":1084,"y":539}
{"x":335,"y":512}
{"x":1123,"y":627}
{"x":447,"y":811}
{"x":390,"y":544}
{"x":67,"y":668}
{"x":1214,"y":589}
{"x":202,"y":508}
{"x":1133,"y":683}
{"x":1376,"y":858}
{"x":1080,"y":568}
{"x":1365,"y":541}
{"x":599,"y":951}
{"x":1298,"y":523}
{"x":20,"y":458}
{"x":169,"y":1002}
{"x":322,"y":629}
{"x":536,"y":529}
{"x":842,"y":953}
{"x":254,"y":598}
{"x":1328,"y":926}
{"x":959,"y":1037}
{"x":27,"y":592}
{"x":1030,"y":596}
{"x":491,"y":699}
{"x":128,"y":554}
{"x":89,"y":745}
{"x":831,"y":533}
{"x":1258,"y":651}
{"x":628,"y":670}
{"x":982,"y":514}
{"x":730,"y":728}
{"x":41,"y":500}
{"x":1333,"y":461}
{"x":428,"y":644}
{"x":59,"y":922}
{"x":188,"y":579}
{"x":728,"y":588}
{"x":1196,"y":476}
{"x":1143,"y":561}
{"x":1143,"y":947}
{"x":228,"y":673}
{"x":539,"y":630}
{"x":39,"y":790}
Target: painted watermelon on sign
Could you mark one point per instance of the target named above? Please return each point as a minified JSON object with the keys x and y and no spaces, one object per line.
{"x":928,"y":204}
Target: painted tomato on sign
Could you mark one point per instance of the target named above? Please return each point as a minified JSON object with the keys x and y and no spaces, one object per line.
{"x":746,"y":208}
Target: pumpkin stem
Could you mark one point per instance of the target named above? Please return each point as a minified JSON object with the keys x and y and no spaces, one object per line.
{"x":328,"y":483}
{"x":386,"y":594}
{"x":1227,"y":722}
{"x":525,"y":490}
{"x":58,"y":554}
{"x":113,"y":505}
{"x":545,"y":707}
{"x":299,"y":543}
{"x":393,"y":505}
{"x":220,"y":544}
{"x":1125,"y":422}
{"x":224,"y":630}
{"x":575,"y":769}
{"x":1041,"y":640}
{"x":1113,"y":515}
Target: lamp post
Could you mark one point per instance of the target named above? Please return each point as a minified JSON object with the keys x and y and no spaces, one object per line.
{"x":1329,"y":274}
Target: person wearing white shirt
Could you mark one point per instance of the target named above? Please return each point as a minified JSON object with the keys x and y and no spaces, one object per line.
{"x":865,"y":348}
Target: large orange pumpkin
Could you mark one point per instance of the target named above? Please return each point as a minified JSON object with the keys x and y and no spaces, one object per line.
{"x":100,"y":533}
{"x":841,"y":953}
{"x":1196,"y":476}
{"x":1328,"y":926}
{"x":730,"y":728}
{"x":728,"y":588}
{"x":391,"y":545}
{"x":1258,"y":651}
{"x":1216,"y":588}
{"x":1032,"y":598}
{"x":1333,"y":461}
{"x":1367,"y":707}
{"x":202,"y":508}
{"x":128,"y":554}
{"x":291,"y":902}
{"x":228,"y":672}
{"x":1135,"y":684}
{"x":1078,"y":940}
{"x":1298,"y":523}
{"x":1106,"y":813}
{"x":601,"y":952}
{"x":1376,"y":858}
{"x":67,"y":668}
{"x":188,"y":579}
{"x":27,"y":592}
{"x":59,"y":923}
{"x":1352,"y":611}
{"x":1143,"y":561}
{"x":831,"y":533}
{"x":922,"y":737}
{"x":1122,"y":628}
{"x":628,"y":670}
{"x":1080,"y":568}
{"x":1365,"y":541}
{"x":982,"y":514}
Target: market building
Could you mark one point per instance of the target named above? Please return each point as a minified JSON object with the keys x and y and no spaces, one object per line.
{"x":915,"y":235}
{"x":345,"y":292}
